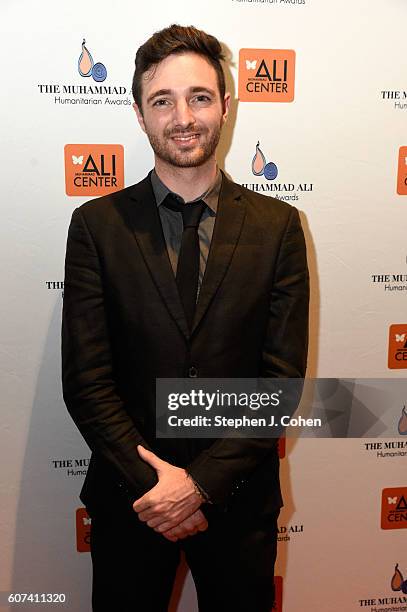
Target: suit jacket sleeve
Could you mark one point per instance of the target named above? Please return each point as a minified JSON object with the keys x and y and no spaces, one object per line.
{"x":87,"y":378}
{"x":284,"y":355}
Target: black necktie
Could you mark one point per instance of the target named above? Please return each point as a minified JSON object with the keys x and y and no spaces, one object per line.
{"x":188,"y":260}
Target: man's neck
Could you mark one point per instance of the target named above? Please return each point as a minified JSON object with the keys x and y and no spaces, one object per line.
{"x":189,"y":183}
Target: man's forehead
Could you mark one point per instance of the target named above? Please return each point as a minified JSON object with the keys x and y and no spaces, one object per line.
{"x":180,"y":70}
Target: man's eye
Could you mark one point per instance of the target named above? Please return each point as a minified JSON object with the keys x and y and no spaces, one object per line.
{"x":202,"y":98}
{"x":160,"y":103}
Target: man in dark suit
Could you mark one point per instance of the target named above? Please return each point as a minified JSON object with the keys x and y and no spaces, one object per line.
{"x":185,"y":274}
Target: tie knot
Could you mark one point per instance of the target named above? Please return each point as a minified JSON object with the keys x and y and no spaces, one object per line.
{"x":191,"y":211}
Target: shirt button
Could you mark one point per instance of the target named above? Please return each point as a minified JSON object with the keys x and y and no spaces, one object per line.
{"x":192,"y":372}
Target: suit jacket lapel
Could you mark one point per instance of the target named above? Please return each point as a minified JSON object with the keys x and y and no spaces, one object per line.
{"x":146,"y":224}
{"x":144,"y":219}
{"x":228,"y":225}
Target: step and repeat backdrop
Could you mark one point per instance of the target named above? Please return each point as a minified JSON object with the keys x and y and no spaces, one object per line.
{"x":319,"y":119}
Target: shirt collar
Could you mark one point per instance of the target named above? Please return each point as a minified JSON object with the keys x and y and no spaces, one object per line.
{"x":210,"y":196}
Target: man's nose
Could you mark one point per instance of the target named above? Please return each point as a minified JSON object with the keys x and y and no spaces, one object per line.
{"x":183,"y":114}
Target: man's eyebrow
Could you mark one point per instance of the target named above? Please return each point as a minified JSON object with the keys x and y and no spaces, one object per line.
{"x":160,"y":92}
{"x":166,"y":92}
{"x":207,"y":89}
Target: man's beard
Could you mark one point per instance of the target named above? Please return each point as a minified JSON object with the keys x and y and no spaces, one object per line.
{"x":185,"y":159}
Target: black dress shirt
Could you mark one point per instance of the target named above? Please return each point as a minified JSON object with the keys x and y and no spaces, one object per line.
{"x":172,"y":225}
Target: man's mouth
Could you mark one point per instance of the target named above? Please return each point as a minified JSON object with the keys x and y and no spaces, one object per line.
{"x":185,"y":137}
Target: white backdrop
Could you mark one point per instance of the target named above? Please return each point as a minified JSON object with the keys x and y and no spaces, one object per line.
{"x":340,"y":137}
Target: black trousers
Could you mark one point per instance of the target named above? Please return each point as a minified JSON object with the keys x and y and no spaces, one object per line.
{"x":232,"y":562}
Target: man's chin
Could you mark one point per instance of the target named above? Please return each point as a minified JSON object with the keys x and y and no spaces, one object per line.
{"x":186,"y":161}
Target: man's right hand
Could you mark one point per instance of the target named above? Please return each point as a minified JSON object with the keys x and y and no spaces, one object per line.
{"x":188,"y":527}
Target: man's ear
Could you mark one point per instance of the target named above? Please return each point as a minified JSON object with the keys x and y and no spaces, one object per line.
{"x":140,"y":118}
{"x":226,"y":106}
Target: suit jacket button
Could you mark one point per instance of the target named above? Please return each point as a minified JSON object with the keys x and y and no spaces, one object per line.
{"x":192,"y":372}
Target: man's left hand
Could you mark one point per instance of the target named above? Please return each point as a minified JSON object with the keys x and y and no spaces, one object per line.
{"x":171,"y":500}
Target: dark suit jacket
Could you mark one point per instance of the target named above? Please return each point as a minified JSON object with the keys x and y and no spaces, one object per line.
{"x":123,"y":326}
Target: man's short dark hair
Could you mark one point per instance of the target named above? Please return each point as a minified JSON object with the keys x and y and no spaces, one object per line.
{"x":172,"y":40}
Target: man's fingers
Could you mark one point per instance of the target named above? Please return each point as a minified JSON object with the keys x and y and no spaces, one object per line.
{"x":143,"y":503}
{"x":148,"y":500}
{"x":203,"y":526}
{"x":179,"y":532}
{"x":170,"y":538}
{"x":200,"y":520}
{"x":155,"y":522}
{"x":188,"y":527}
{"x":153,"y":513}
{"x":193,"y":523}
{"x":166,"y":526}
{"x":159,"y":514}
{"x":163,"y":523}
